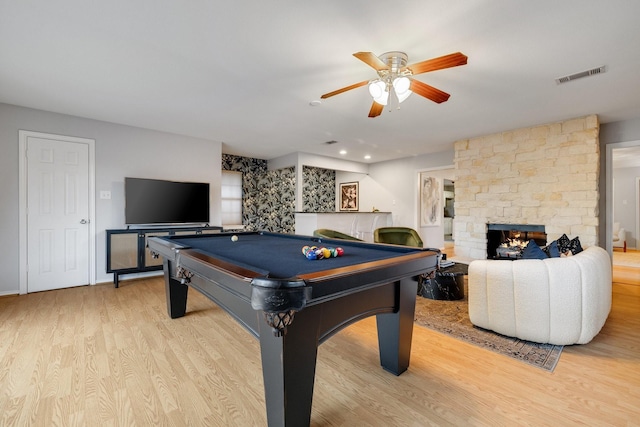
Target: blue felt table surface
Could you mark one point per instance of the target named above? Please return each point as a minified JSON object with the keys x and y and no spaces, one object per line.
{"x":280,"y":256}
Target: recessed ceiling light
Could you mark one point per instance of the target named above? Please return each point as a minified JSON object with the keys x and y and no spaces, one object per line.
{"x":343,"y":152}
{"x":367,"y":157}
{"x":315,"y":103}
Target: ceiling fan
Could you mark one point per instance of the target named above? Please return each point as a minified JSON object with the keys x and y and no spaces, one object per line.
{"x":395,"y":76}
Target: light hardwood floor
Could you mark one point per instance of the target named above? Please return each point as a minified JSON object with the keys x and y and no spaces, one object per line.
{"x":111,"y":357}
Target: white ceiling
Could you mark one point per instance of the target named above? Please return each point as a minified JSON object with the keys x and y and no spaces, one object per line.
{"x":243,"y":73}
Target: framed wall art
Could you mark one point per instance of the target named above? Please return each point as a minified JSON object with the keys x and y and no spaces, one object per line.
{"x":430,"y":201}
{"x":349,"y":196}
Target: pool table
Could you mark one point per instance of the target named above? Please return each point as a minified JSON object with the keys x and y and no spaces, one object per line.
{"x":292,"y":304}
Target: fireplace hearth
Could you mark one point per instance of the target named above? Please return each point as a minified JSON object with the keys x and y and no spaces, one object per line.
{"x":506,"y":241}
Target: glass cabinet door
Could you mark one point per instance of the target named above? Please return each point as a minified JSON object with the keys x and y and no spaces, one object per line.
{"x":124,"y":251}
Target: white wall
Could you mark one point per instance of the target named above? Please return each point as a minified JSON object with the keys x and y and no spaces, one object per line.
{"x":120,"y":151}
{"x":393,"y":187}
{"x":128,"y":151}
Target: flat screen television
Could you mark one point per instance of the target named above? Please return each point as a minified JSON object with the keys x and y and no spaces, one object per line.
{"x":154,"y":201}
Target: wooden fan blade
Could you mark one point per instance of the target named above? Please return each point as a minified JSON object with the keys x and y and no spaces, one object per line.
{"x":429,"y":92}
{"x":344,"y":89}
{"x":376,"y":109}
{"x":371,"y":60}
{"x":447,"y":61}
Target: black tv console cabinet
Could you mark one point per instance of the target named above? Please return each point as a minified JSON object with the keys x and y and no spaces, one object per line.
{"x":127,"y":250}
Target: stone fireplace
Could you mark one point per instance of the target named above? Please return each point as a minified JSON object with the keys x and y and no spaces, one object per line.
{"x":544,"y":175}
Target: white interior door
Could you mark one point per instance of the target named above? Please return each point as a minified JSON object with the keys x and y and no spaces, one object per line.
{"x":58,"y":214}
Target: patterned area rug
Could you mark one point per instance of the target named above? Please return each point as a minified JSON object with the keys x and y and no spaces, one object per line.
{"x":452,"y":318}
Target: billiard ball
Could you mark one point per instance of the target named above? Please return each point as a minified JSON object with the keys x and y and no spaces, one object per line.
{"x":234,"y":238}
{"x":340,"y":251}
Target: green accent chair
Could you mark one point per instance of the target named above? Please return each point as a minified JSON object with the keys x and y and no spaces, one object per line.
{"x":333,"y":234}
{"x":397,"y":236}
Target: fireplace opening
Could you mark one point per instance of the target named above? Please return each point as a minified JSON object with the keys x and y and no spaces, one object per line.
{"x":506,"y":241}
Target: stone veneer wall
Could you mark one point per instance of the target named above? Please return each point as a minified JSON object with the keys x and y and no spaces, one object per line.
{"x":544,"y":175}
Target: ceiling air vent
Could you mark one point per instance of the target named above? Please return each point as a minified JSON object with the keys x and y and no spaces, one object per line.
{"x":581,"y":74}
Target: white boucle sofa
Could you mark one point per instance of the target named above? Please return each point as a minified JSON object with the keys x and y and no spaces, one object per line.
{"x":555,"y":300}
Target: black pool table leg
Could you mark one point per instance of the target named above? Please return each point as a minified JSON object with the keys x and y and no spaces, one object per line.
{"x":176,"y":296}
{"x":288,"y":368}
{"x":395,"y":330}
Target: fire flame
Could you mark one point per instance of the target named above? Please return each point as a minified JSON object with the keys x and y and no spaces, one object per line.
{"x":514,"y":243}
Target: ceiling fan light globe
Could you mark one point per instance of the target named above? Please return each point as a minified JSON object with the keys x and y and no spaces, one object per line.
{"x":382,"y":99}
{"x":401,"y":85}
{"x":378,"y":91}
{"x":404,"y":95}
{"x":376,"y":88}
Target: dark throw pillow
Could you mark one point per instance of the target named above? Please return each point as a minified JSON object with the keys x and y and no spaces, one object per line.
{"x":564,"y":244}
{"x":533,"y":251}
{"x":574,"y":246}
{"x":552,"y":250}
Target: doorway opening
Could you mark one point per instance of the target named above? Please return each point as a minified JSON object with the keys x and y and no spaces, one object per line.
{"x":623,"y":194}
{"x":449,"y":212}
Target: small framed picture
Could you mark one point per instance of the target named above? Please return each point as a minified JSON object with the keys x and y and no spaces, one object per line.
{"x":349,"y":196}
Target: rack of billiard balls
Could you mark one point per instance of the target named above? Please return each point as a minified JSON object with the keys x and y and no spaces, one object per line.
{"x":314,"y":252}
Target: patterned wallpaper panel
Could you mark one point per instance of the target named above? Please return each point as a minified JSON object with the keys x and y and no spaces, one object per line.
{"x":318,"y":190}
{"x":269,"y":198}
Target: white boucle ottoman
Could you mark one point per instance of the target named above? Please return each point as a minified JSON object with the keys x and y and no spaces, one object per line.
{"x":555,"y":300}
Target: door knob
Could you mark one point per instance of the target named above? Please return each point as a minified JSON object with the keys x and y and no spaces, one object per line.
{"x":83,"y":221}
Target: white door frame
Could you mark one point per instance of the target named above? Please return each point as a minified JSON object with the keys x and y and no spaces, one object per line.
{"x":609,"y":190}
{"x":22,"y":200}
